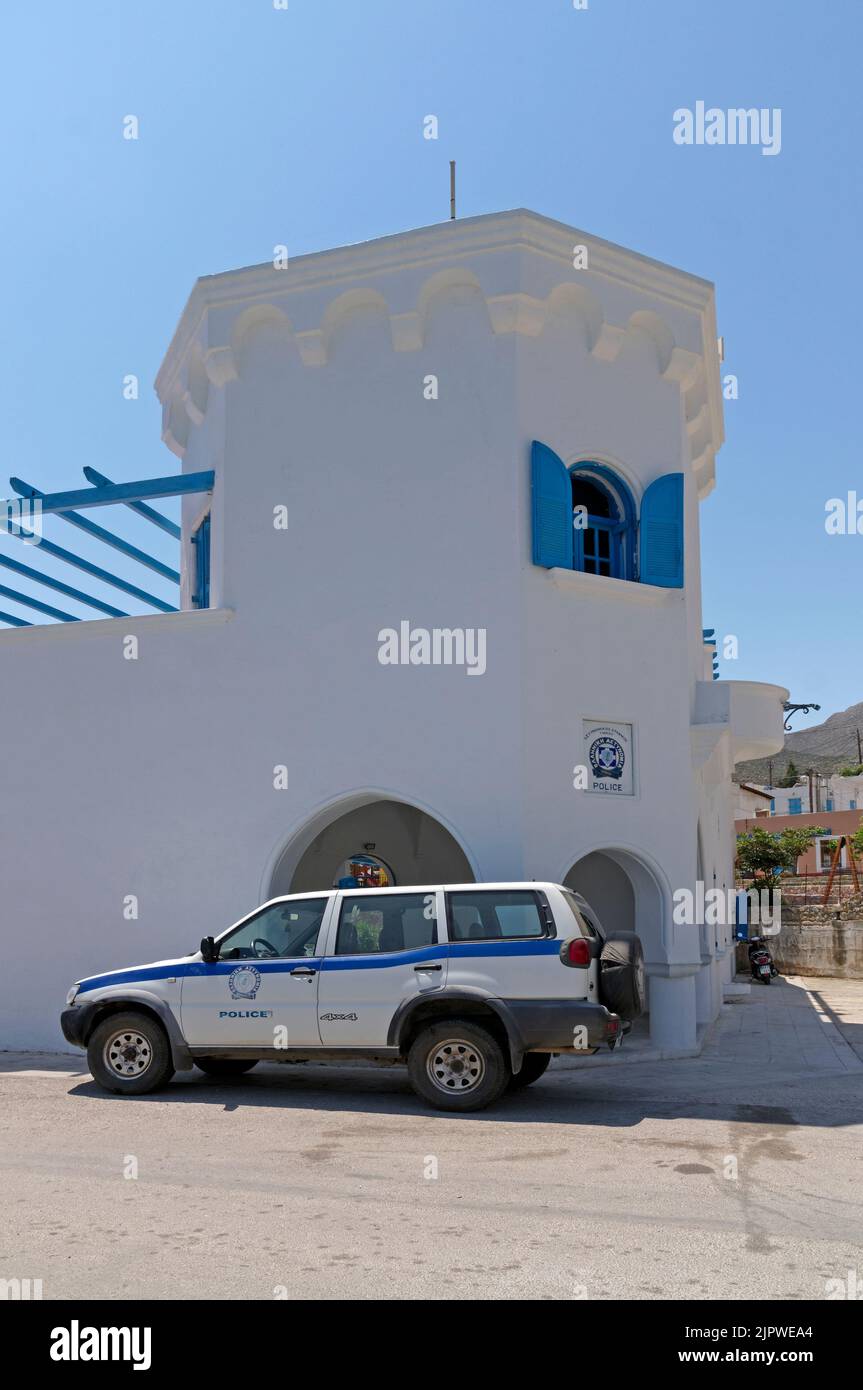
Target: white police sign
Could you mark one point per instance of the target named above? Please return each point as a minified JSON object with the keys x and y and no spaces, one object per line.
{"x":608,"y":757}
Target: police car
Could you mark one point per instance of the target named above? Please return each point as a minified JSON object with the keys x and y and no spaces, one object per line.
{"x":473,"y":986}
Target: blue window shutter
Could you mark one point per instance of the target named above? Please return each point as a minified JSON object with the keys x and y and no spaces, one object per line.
{"x":552,"y":508}
{"x":201,"y":542}
{"x":662,"y":532}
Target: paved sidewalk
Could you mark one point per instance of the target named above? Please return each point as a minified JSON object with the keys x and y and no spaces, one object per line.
{"x":839,"y":1002}
{"x":803,"y":1024}
{"x":793,"y":1023}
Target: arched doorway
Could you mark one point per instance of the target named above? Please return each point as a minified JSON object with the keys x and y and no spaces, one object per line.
{"x":627,"y":895}
{"x":607,"y":887}
{"x":412,"y":843}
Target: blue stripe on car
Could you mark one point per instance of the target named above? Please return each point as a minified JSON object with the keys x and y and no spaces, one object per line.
{"x":455,"y":950}
{"x":544,"y":946}
{"x":195,"y":967}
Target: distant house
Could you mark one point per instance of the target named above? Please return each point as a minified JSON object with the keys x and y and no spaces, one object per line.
{"x":826,"y":794}
{"x":751,"y":801}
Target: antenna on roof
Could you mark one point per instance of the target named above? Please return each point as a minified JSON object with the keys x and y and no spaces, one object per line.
{"x":452,"y":189}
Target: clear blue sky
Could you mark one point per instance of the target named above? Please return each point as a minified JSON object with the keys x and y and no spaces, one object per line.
{"x":305,"y":127}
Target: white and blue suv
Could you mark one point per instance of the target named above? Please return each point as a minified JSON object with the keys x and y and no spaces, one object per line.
{"x":473,"y":986}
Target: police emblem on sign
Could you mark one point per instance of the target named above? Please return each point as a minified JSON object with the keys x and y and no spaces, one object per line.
{"x":607,"y":758}
{"x":244,"y":982}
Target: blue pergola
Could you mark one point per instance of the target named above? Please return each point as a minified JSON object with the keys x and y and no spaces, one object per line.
{"x":103,"y":493}
{"x":709,"y":637}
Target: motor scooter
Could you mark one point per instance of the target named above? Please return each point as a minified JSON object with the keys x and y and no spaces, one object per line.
{"x":761,"y":961}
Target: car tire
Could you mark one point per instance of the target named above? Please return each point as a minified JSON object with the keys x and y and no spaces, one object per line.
{"x":224,"y":1066}
{"x":532,"y":1067}
{"x":621,"y":975}
{"x":129,"y":1054}
{"x":457,"y":1065}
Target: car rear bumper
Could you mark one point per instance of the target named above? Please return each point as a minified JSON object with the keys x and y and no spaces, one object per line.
{"x":565,"y":1025}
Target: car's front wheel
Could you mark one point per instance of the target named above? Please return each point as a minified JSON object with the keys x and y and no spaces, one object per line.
{"x":129,"y":1054}
{"x":224,"y":1066}
{"x":456,"y":1065}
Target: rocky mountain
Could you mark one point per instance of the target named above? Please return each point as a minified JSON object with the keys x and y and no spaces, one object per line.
{"x":825,"y":747}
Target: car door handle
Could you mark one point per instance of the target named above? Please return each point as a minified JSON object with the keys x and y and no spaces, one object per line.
{"x":303,"y":970}
{"x":428,"y":967}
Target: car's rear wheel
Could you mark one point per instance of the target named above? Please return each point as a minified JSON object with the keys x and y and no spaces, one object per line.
{"x":224,"y":1066}
{"x":456,"y":1065}
{"x":532,"y":1067}
{"x":129,"y":1054}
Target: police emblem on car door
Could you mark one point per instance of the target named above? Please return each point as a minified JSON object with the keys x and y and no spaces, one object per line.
{"x":263,"y":990}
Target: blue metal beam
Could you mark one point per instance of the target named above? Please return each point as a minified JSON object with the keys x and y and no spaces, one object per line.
{"x":176,"y":486}
{"x":13,"y":622}
{"x":36,"y":603}
{"x":60,"y":587}
{"x":164,"y":523}
{"x":108,"y":537}
{"x":49,"y":548}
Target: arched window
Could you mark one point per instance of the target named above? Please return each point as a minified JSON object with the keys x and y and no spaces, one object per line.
{"x":603,"y":522}
{"x":584,"y":518}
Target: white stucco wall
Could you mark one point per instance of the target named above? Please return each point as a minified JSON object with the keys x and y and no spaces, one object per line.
{"x":154,"y":777}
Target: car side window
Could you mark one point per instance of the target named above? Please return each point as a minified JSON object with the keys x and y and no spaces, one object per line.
{"x":494,"y":915}
{"x":373,"y":923}
{"x":282,"y":930}
{"x":581,"y":917}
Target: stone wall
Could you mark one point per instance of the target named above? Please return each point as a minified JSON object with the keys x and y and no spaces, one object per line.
{"x":814,"y":949}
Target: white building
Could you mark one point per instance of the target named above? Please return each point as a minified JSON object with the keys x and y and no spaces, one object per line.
{"x":827,"y":794}
{"x":751,"y":801}
{"x":396,"y":398}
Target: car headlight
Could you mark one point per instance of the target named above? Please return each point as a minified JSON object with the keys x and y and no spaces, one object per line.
{"x":70,"y":997}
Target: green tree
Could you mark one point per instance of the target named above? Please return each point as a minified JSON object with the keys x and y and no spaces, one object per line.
{"x":852,"y":771}
{"x":792,"y":776}
{"x":796,"y":840}
{"x":760,"y":853}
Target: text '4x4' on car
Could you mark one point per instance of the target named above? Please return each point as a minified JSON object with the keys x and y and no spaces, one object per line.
{"x":473,"y":986}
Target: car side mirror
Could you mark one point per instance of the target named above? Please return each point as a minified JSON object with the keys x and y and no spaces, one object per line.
{"x":209,"y":950}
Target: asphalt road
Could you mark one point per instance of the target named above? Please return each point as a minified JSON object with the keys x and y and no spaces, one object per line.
{"x":735,"y":1174}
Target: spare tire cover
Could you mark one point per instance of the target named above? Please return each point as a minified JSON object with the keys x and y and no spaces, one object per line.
{"x":621,"y":975}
